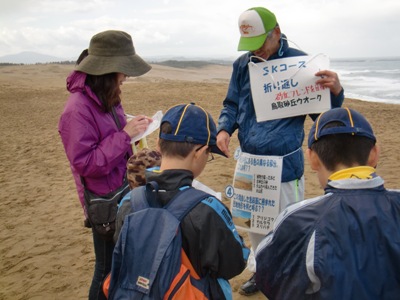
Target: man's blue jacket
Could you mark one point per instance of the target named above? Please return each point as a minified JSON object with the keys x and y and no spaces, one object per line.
{"x":276,"y":137}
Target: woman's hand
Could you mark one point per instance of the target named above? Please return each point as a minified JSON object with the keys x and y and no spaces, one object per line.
{"x":137,"y":125}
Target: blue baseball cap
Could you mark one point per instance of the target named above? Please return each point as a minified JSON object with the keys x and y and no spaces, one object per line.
{"x":353,"y":123}
{"x":191,"y":124}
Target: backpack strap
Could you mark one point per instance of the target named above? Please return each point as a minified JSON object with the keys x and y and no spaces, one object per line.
{"x":140,"y":198}
{"x":184,"y":201}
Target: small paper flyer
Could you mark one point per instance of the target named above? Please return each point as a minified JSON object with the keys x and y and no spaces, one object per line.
{"x":152,"y":126}
{"x":201,"y":186}
{"x":255,"y":191}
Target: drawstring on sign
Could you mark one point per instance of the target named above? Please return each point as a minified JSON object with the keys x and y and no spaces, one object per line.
{"x":280,"y":52}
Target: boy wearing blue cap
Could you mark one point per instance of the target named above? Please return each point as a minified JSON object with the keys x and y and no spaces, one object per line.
{"x":346,"y":243}
{"x":187,"y":141}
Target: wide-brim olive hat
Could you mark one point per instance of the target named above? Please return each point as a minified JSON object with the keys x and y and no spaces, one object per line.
{"x":112,"y":51}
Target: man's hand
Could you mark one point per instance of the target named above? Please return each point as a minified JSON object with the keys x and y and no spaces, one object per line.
{"x":223,"y":139}
{"x":330,"y":80}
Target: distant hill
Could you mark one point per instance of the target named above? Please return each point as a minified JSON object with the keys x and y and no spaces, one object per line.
{"x":29,"y":57}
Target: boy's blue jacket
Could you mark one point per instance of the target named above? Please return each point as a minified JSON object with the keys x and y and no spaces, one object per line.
{"x":276,"y":137}
{"x":343,"y":245}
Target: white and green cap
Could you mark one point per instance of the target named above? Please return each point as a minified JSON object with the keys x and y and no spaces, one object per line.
{"x":254,"y":25}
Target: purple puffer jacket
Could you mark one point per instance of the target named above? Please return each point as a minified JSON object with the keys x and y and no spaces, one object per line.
{"x":95,"y":147}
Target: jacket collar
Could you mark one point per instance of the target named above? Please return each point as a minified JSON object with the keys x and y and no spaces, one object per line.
{"x":284,"y":45}
{"x":76,"y":84}
{"x":169,"y":182}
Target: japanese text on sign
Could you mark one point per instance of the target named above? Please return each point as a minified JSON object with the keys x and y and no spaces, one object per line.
{"x":256,"y":186}
{"x":286,"y":87}
{"x":262,"y":222}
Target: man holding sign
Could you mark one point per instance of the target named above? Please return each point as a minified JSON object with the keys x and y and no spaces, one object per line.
{"x":259,"y":133}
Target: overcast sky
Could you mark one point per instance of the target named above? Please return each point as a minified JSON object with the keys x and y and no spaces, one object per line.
{"x":205,"y":28}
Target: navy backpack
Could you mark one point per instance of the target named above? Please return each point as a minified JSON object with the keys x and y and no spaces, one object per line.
{"x":148,"y":259}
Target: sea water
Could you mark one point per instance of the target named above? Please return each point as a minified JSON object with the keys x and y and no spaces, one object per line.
{"x":369,"y":79}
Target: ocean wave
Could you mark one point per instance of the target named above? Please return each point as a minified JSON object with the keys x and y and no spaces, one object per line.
{"x":366,"y":59}
{"x":370,"y":79}
{"x":368,"y":71}
{"x":372,"y":99}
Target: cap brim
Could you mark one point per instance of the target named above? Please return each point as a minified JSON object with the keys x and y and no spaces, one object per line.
{"x":251,"y":43}
{"x":216,"y":150}
{"x":132,"y":65}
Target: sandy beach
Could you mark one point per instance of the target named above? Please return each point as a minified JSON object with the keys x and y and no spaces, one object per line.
{"x":45,"y":251}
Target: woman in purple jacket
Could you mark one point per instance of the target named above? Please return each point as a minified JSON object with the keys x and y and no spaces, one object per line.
{"x":94,"y":131}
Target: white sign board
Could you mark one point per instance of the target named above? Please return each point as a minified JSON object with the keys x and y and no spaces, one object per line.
{"x":286,"y":87}
{"x":255,"y":191}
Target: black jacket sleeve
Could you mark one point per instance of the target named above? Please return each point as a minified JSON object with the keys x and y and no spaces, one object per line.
{"x":211,"y":245}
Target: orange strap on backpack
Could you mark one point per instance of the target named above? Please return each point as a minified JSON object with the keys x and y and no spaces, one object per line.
{"x":106,"y":284}
{"x":185,"y":291}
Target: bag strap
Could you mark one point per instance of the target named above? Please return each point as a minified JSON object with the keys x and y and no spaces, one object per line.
{"x":116,"y":119}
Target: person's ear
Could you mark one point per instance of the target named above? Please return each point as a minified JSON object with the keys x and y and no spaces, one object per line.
{"x":313,"y":159}
{"x":374,"y":156}
{"x":199,"y":153}
{"x":158,"y":145}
